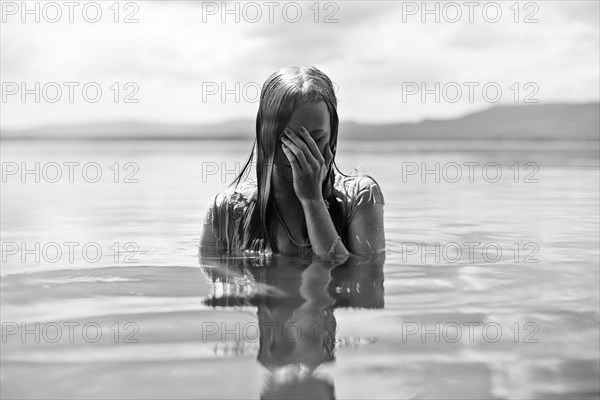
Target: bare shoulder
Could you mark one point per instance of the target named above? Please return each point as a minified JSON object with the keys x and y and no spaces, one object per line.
{"x":366,"y":233}
{"x":230,"y":200}
{"x":224,"y":215}
{"x":368,"y":190}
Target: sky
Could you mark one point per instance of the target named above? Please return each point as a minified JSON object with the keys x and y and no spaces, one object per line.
{"x":184,"y":62}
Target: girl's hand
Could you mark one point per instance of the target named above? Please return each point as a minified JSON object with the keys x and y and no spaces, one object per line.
{"x":309,"y":166}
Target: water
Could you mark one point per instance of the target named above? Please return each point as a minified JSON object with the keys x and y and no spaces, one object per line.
{"x":168,"y":321}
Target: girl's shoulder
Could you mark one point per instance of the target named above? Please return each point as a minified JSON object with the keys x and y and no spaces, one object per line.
{"x":232,"y":201}
{"x":355,"y":189}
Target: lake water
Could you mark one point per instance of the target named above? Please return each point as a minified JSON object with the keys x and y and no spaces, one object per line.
{"x":489,"y":287}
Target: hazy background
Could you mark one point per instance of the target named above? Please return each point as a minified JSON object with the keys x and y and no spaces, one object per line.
{"x":372,"y":49}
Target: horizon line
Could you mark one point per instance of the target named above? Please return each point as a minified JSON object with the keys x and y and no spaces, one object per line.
{"x":240,"y":120}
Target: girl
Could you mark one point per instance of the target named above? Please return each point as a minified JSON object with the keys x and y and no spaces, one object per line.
{"x":298,"y":204}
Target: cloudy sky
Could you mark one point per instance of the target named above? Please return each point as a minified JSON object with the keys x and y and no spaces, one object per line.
{"x":178,"y":56}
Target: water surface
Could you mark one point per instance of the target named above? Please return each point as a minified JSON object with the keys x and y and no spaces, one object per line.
{"x":176,"y":326}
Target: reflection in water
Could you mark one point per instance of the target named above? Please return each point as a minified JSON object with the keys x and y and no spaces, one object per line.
{"x":295,"y":300}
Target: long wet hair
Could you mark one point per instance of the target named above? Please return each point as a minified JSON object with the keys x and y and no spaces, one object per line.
{"x":281,"y":94}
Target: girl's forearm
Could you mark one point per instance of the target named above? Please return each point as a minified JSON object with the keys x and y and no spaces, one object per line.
{"x":321,"y":231}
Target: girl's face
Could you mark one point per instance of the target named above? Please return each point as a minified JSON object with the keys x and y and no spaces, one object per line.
{"x":315,"y":118}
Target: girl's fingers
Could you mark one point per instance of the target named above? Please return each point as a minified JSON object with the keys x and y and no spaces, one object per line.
{"x":294,"y":155}
{"x":296,"y":140}
{"x":288,"y":154}
{"x":310,"y":142}
{"x":293,"y":162}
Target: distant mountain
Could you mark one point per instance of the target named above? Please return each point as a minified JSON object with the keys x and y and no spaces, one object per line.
{"x":501,"y":122}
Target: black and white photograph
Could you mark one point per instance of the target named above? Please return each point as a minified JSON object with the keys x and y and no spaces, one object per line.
{"x":300,"y":199}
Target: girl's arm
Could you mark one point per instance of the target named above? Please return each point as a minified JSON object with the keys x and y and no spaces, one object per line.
{"x":309,"y":169}
{"x":366,"y":235}
{"x":321,"y":231}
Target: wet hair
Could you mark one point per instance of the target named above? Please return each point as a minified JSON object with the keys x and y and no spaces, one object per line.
{"x":281,"y":94}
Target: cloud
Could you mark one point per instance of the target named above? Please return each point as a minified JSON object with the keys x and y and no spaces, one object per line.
{"x":587,"y":12}
{"x":369,"y":53}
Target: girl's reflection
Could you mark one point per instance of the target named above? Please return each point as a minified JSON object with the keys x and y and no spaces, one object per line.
{"x":295,"y":299}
